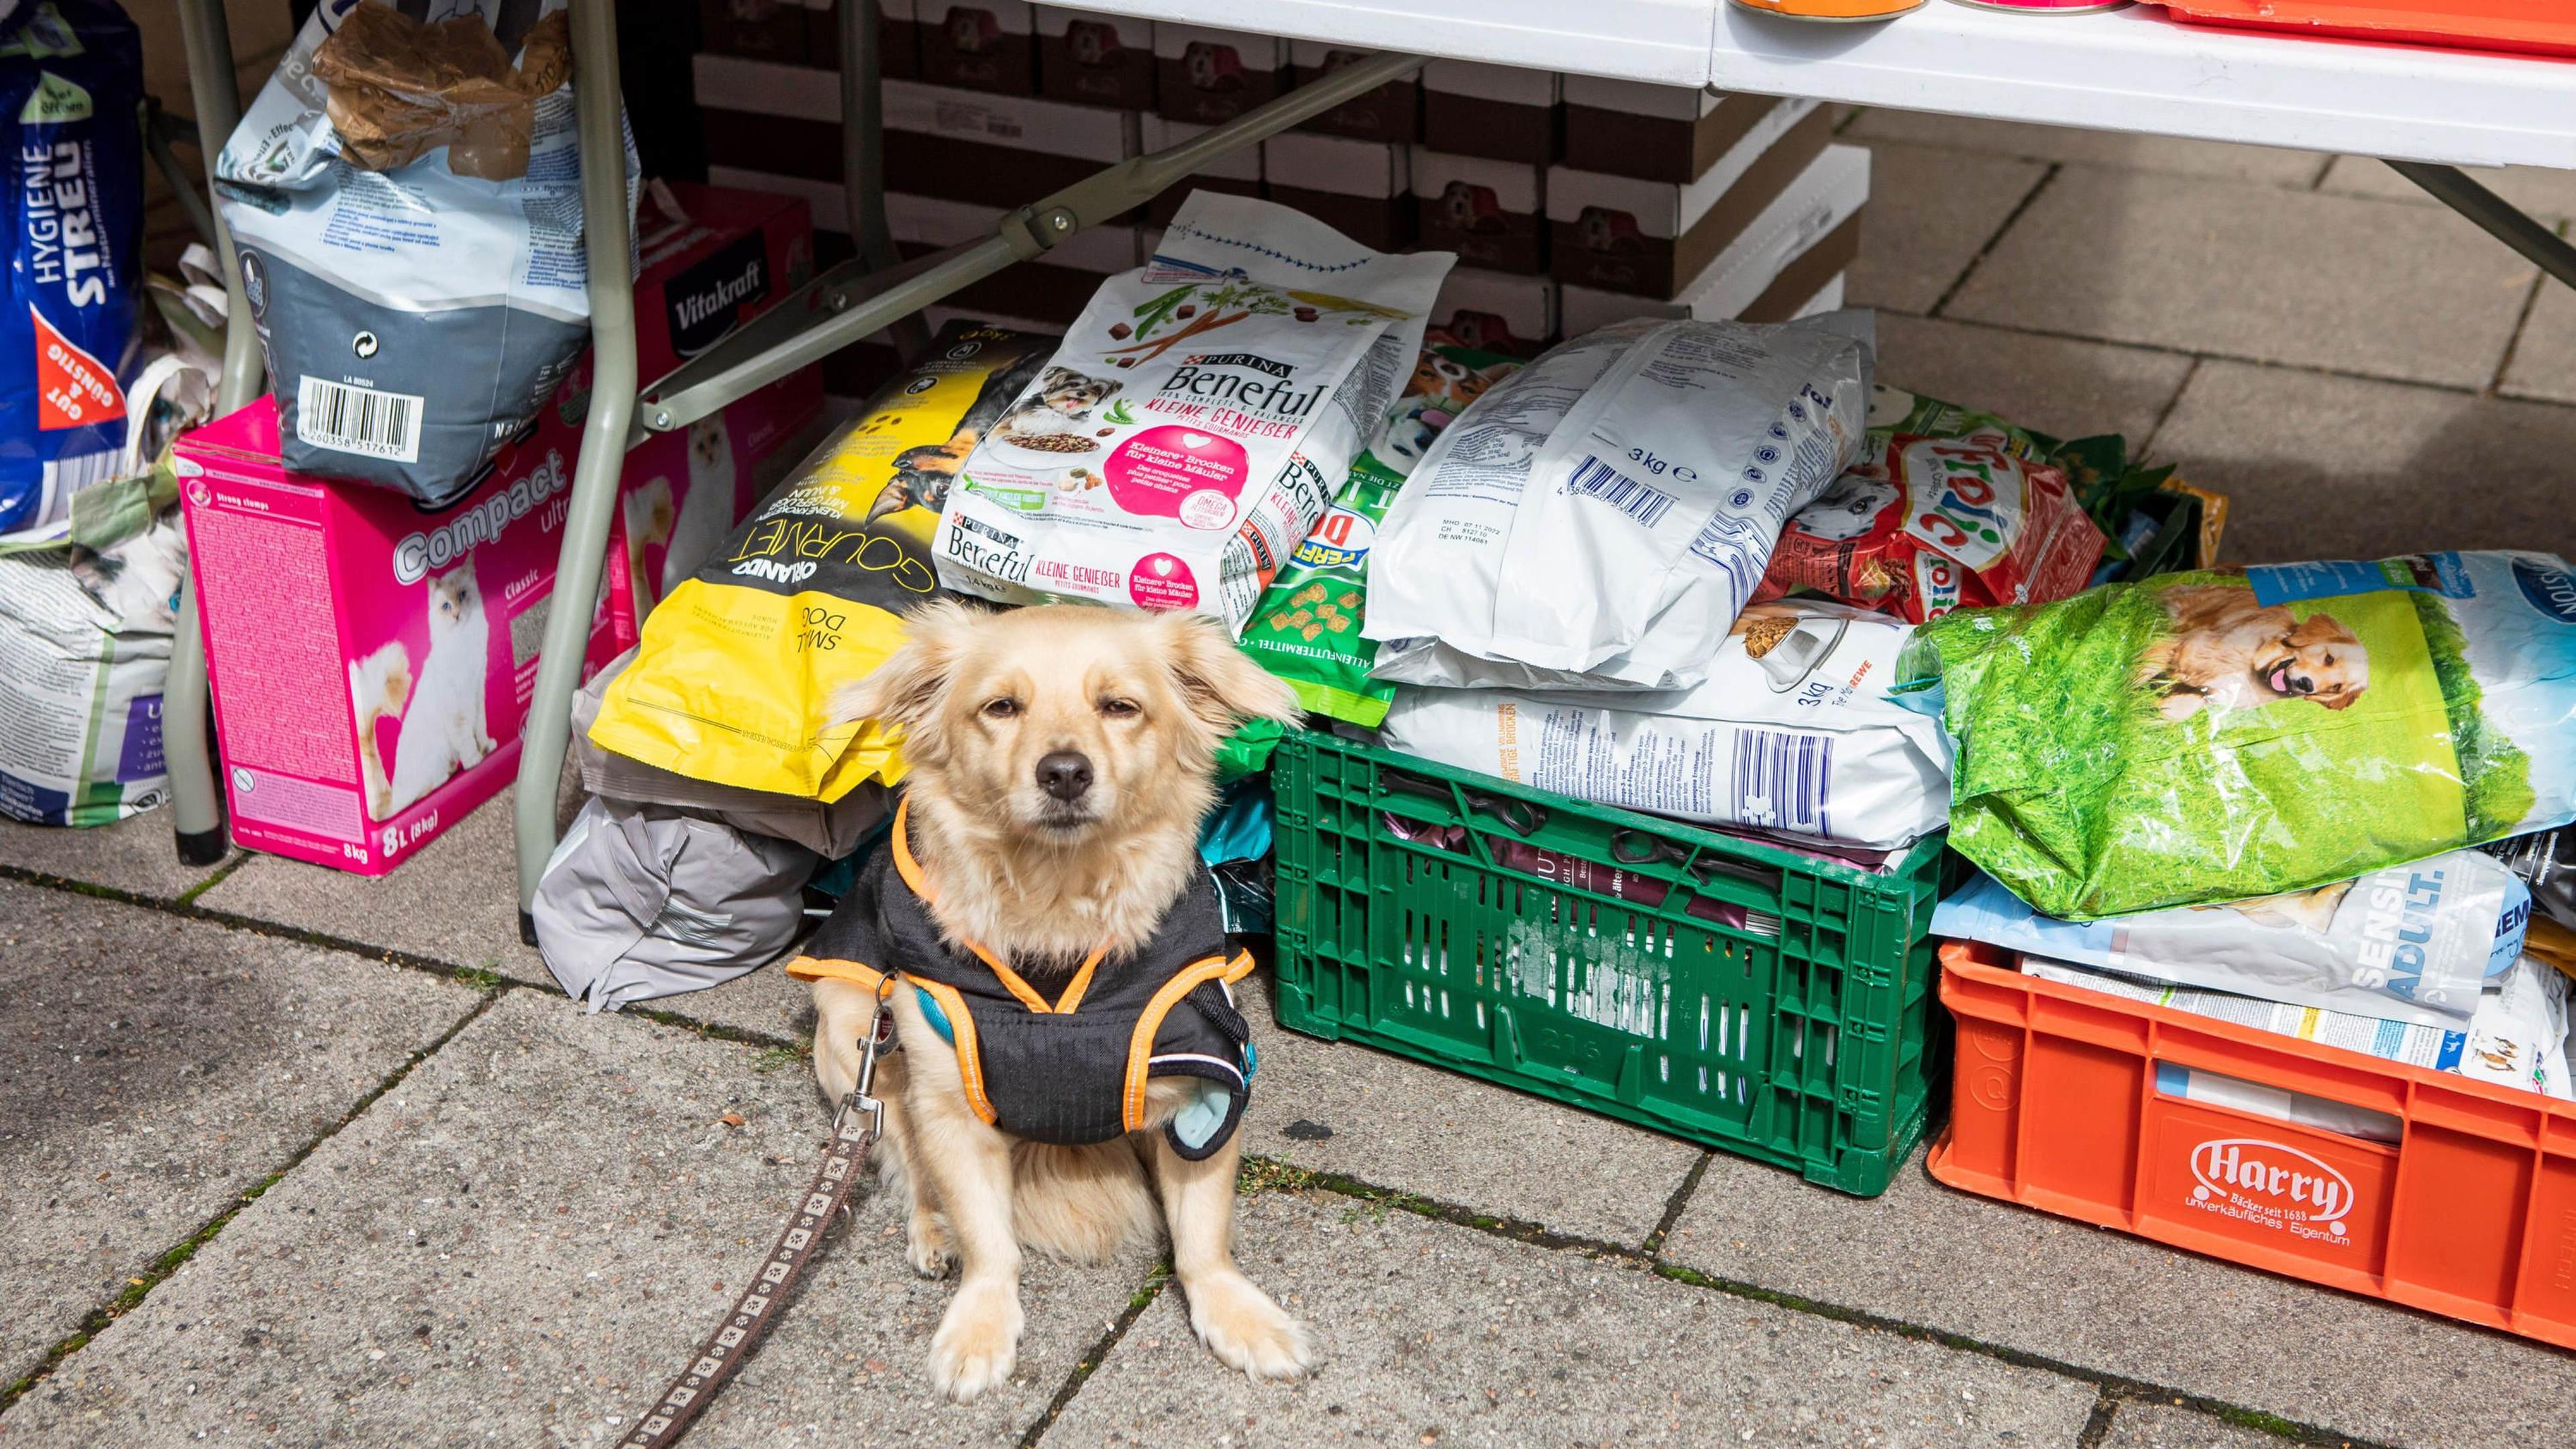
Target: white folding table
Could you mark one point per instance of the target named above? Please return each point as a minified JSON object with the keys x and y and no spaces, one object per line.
{"x":2426,"y":111}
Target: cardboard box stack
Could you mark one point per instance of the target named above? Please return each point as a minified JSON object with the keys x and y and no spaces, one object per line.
{"x":1663,"y":189}
{"x":1571,"y":201}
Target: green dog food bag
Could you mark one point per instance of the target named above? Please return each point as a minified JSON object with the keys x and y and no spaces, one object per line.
{"x":1306,"y":629}
{"x":2211,"y":736}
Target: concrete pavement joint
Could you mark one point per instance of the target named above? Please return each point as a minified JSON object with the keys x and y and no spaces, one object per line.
{"x":2147,"y":444}
{"x":1673,"y":1206}
{"x":1156,"y":1279}
{"x":223,"y":868}
{"x":1995,"y":238}
{"x":2097,"y":1425}
{"x":2015,"y":329}
{"x":2521,"y":322}
{"x":140,"y":1287}
{"x":481,"y":978}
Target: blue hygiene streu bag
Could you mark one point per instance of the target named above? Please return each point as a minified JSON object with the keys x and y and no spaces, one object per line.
{"x":71,"y":77}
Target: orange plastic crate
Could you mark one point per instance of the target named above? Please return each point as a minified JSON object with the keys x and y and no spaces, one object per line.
{"x":2542,"y":27}
{"x":2054,"y":1106}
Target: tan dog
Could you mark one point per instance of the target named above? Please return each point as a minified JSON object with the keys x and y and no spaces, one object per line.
{"x":1061,"y":759}
{"x":2229,"y":652}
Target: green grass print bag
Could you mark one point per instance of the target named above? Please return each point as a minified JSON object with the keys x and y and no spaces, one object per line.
{"x":2211,"y":736}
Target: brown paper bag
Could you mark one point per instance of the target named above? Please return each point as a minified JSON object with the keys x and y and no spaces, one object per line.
{"x":400,"y":90}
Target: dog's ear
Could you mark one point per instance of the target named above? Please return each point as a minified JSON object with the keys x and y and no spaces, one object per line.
{"x":907,"y":688}
{"x":2343,"y":700}
{"x":2321,"y":629}
{"x":1218,"y":683}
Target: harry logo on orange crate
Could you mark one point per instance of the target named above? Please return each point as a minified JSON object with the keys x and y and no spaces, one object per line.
{"x":2269,"y":1185}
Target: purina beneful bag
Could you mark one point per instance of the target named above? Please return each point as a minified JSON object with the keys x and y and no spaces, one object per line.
{"x":1198,"y":419}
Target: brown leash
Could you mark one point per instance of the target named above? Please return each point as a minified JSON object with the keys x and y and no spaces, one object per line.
{"x":855,"y":1128}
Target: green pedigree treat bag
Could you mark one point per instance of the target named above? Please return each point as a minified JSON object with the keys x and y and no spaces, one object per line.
{"x":1306,"y":629}
{"x":2215,"y":735}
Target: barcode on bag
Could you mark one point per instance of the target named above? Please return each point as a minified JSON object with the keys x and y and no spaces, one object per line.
{"x":1781,"y":780}
{"x":349,"y":419}
{"x":1639,"y":501}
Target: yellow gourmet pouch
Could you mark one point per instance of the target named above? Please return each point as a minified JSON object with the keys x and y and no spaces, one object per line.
{"x":734,"y":676}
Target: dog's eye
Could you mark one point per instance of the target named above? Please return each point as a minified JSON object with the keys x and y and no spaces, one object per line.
{"x":1119,"y":708}
{"x":1003,"y":708}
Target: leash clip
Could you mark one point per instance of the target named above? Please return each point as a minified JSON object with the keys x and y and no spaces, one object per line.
{"x":860,"y":1099}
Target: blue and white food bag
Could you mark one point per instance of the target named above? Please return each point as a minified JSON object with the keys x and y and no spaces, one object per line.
{"x":415,"y":319}
{"x":2516,"y":1038}
{"x":1792,"y":732}
{"x":71,"y":75}
{"x":2416,"y":943}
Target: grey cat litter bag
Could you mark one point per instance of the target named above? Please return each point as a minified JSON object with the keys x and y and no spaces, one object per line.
{"x":641,"y":901}
{"x":406,"y":198}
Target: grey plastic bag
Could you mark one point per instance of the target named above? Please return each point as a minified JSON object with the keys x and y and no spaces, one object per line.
{"x":641,"y":901}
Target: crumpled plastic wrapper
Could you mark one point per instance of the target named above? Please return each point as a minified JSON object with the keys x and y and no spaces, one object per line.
{"x":400,"y":89}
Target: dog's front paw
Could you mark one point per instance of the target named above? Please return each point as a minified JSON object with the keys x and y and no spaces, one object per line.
{"x":1245,"y":1330}
{"x":978,"y":1342}
{"x":927,"y":1246}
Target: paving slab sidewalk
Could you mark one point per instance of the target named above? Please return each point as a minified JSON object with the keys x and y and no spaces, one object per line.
{"x":136,"y":855}
{"x":1335,"y":1107}
{"x":155,"y":1070}
{"x":2105,"y":1303}
{"x":2317,"y":466}
{"x":2256,"y":272}
{"x":1432,"y":1334}
{"x":519,"y":1245}
{"x":457,"y":903}
{"x":2163,"y":1426}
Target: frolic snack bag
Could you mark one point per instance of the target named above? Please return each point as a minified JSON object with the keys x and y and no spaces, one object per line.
{"x":734,"y":676}
{"x":2210,"y":736}
{"x":1945,"y":508}
{"x":1197,"y":420}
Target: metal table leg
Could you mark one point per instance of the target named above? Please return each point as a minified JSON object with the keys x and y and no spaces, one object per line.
{"x":863,"y":156}
{"x":834,"y":310}
{"x":196,"y":808}
{"x":607,"y":247}
{"x":2454,"y":188}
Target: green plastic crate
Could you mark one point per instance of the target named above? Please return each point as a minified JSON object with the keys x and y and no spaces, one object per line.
{"x":1802,"y":1037}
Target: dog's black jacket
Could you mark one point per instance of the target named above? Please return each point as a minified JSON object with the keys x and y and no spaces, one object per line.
{"x":1071,"y":1071}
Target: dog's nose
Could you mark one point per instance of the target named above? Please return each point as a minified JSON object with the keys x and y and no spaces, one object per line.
{"x":1065,"y":774}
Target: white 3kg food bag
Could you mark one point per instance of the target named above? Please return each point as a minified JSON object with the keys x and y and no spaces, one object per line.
{"x":1792,"y":732}
{"x":1599,"y":519}
{"x":1197,"y":420}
